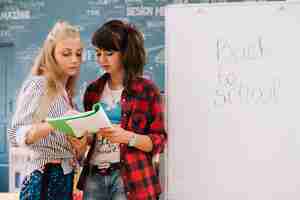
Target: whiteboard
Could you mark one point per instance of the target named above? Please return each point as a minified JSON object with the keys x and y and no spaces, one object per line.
{"x":233,"y":101}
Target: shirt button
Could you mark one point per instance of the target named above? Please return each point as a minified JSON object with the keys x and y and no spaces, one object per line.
{"x":128,"y":193}
{"x":124,"y":115}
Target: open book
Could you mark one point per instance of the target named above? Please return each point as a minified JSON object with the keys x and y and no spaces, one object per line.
{"x":76,"y":125}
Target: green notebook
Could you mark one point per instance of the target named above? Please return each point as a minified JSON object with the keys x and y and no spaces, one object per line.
{"x":77,"y":125}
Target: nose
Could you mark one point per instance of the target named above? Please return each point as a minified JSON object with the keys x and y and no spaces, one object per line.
{"x":102,"y":58}
{"x":75,"y":59}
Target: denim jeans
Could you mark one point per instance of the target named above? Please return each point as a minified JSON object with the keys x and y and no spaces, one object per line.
{"x":59,"y":186}
{"x":100,"y":187}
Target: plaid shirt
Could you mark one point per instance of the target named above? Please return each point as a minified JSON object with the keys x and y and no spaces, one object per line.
{"x":141,"y":113}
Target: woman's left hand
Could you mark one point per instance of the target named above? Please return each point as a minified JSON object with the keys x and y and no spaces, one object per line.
{"x":79,"y":145}
{"x":116,"y":134}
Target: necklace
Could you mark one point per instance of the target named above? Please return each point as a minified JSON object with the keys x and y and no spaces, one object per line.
{"x":114,"y":95}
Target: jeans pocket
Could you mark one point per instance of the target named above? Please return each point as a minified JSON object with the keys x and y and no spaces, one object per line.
{"x":117,"y":182}
{"x":118,"y":190}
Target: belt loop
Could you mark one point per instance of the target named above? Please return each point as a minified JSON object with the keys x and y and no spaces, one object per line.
{"x":90,"y":168}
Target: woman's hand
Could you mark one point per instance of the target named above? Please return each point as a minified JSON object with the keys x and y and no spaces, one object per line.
{"x":79,"y":145}
{"x":38,"y":131}
{"x":115,"y":134}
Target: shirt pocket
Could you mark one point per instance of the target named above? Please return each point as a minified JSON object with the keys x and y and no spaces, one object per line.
{"x":139,"y":122}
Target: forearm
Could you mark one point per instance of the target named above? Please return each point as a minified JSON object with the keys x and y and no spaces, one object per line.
{"x":37,"y":132}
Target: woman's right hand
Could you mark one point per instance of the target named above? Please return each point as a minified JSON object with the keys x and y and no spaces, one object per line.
{"x":38,"y":131}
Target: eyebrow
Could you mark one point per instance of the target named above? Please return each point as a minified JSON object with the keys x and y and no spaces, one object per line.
{"x":102,"y":50}
{"x":68,"y":49}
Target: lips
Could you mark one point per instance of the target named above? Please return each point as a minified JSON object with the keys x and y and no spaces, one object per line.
{"x":73,"y":67}
{"x":105,"y":66}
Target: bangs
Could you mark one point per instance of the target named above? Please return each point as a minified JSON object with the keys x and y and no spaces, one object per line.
{"x":105,"y":39}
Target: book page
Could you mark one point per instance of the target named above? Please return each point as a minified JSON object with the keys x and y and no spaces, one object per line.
{"x":91,"y":123}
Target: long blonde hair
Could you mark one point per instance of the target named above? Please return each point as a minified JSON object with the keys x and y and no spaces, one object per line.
{"x":46,"y":65}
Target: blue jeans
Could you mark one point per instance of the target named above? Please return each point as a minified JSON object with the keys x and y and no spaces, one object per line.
{"x":100,"y":187}
{"x":59,"y":186}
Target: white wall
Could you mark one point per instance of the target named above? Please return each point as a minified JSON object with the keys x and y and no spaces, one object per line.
{"x":233,"y":101}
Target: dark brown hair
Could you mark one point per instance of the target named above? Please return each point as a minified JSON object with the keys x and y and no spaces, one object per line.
{"x":120,"y":36}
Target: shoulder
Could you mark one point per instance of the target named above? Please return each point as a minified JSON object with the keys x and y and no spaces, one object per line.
{"x":91,"y":85}
{"x":34,"y":83}
{"x":93,"y":92}
{"x":144,"y":86}
{"x":94,"y":85}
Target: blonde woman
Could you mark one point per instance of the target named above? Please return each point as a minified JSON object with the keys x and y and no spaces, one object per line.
{"x":48,"y":92}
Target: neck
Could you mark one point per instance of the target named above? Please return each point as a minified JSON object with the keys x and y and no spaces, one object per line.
{"x":64,"y":82}
{"x":116,"y":81}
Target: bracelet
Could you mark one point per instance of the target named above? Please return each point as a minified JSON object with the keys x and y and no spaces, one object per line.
{"x":132,"y":140}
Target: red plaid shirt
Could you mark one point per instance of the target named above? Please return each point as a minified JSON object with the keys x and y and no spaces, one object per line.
{"x":142,"y":113}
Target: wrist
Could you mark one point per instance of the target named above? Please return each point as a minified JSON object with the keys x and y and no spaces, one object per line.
{"x":132,"y":140}
{"x":47,"y":127}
